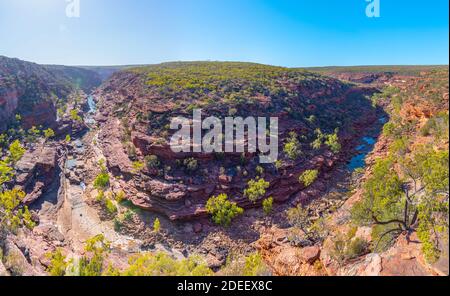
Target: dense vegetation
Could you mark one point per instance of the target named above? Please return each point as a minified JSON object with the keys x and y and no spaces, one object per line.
{"x":12,"y":213}
{"x":408,"y":190}
{"x":95,"y":262}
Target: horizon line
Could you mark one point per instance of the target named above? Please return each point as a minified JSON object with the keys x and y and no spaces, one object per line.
{"x":224,"y":61}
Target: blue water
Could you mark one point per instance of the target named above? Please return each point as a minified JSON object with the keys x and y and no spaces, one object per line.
{"x":359,"y":160}
{"x":91,"y":104}
{"x":360,"y":147}
{"x":369,"y":140}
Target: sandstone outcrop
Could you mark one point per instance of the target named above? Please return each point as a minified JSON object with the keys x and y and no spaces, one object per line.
{"x":128,"y":135}
{"x":36,"y":170}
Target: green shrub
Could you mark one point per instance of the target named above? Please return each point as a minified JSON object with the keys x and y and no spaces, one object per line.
{"x":49,"y":133}
{"x":74,"y":115}
{"x":101,"y":181}
{"x":16,"y":151}
{"x":240,"y":265}
{"x":256,"y":189}
{"x":332,"y":141}
{"x":161,"y":264}
{"x":152,"y":161}
{"x":292,"y":147}
{"x":347,"y":247}
{"x":308,"y":177}
{"x":389,"y":129}
{"x":157,"y":225}
{"x":110,"y":206}
{"x":259,"y":170}
{"x":120,"y":196}
{"x":58,"y":263}
{"x":222,"y":210}
{"x":268,"y":205}
{"x":138,"y":166}
{"x":190,"y":164}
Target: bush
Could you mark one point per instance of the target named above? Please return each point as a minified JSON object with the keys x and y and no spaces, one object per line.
{"x":100,"y":196}
{"x":256,"y":189}
{"x":332,"y":141}
{"x":222,"y":210}
{"x":58,"y":264}
{"x":161,"y":264}
{"x":152,"y":161}
{"x":259,"y":170}
{"x":437,"y":125}
{"x":16,"y":151}
{"x":268,"y":205}
{"x":191,"y":164}
{"x":347,"y":247}
{"x":92,"y":263}
{"x":308,"y":177}
{"x":251,"y":265}
{"x":120,"y":196}
{"x":138,"y":166}
{"x":292,"y":147}
{"x":157,"y":225}
{"x":389,"y":129}
{"x":101,"y":181}
{"x":74,"y":115}
{"x":49,"y":133}
{"x":110,"y":206}
{"x":317,"y":143}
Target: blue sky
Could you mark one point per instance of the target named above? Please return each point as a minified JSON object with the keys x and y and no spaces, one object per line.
{"x":278,"y":32}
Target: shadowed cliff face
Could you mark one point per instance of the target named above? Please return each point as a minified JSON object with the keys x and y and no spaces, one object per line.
{"x":33,"y":91}
{"x":136,"y":106}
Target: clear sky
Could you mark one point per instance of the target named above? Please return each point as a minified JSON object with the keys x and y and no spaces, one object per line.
{"x":278,"y":32}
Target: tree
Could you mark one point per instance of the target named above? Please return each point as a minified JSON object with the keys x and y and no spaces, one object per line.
{"x":292,"y":146}
{"x":382,"y":202}
{"x":256,"y":189}
{"x":394,"y":205}
{"x":222,"y":210}
{"x":308,"y":177}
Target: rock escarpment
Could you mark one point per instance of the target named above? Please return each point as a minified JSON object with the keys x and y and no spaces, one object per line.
{"x":137,"y":105}
{"x":35,"y":92}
